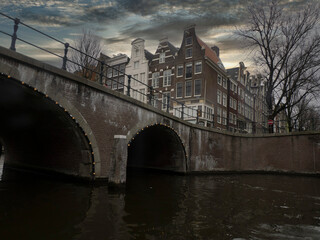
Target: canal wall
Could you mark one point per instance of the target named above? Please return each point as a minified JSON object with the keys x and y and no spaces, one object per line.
{"x":282,"y":153}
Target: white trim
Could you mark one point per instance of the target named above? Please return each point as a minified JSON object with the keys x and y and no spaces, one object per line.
{"x":120,"y":136}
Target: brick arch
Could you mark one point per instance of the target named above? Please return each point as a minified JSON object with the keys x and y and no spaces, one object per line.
{"x":161,"y":143}
{"x":70,"y":111}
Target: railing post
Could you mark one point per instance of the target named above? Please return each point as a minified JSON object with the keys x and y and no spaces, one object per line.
{"x":213,"y":120}
{"x":14,"y":36}
{"x":65,"y":58}
{"x":150,"y":94}
{"x":101,"y":72}
{"x":182,"y":109}
{"x":128,"y":87}
{"x":198,"y":115}
{"x":168,"y":102}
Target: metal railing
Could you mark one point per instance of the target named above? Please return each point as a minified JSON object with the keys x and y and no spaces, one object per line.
{"x":168,"y":103}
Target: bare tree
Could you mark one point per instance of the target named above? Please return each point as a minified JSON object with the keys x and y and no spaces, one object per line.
{"x":287,"y":45}
{"x":307,"y":117}
{"x":83,"y":60}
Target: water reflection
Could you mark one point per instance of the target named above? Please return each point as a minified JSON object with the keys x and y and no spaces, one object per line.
{"x":158,"y":206}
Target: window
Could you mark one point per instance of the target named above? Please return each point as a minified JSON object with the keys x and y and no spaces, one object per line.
{"x":180,"y":71}
{"x":218,"y":115}
{"x":162,"y":57}
{"x":231,"y":102}
{"x":188,"y":40}
{"x":114,"y":85}
{"x":189,"y":53}
{"x":109,"y":73}
{"x":219,"y":79}
{"x":141,"y":94}
{"x":154,"y":100}
{"x":188,"y":70}
{"x":121,"y":82}
{"x":155,"y":79}
{"x":136,"y":52}
{"x":219,"y":96}
{"x":143,"y":77}
{"x":165,"y":98}
{"x":167,"y":78}
{"x":224,"y":99}
{"x":136,"y":64}
{"x":122,"y":69}
{"x":197,"y":87}
{"x":108,"y":83}
{"x":198,"y":67}
{"x":234,"y":104}
{"x":134,"y":80}
{"x":224,"y":117}
{"x":224,"y":83}
{"x":179,"y":90}
{"x":115,"y":71}
{"x":188,"y":88}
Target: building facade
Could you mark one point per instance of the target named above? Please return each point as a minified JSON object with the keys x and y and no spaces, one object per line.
{"x":138,"y":69}
{"x":113,"y":71}
{"x":162,"y":76}
{"x":198,"y":69}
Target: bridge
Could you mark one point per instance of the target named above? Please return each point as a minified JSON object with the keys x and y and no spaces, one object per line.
{"x":55,"y":121}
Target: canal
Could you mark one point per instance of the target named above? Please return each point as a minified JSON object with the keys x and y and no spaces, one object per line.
{"x":161,"y":206}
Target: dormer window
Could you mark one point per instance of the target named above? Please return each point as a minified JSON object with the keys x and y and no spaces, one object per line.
{"x":162,"y":57}
{"x":189,"y":53}
{"x":188,"y":40}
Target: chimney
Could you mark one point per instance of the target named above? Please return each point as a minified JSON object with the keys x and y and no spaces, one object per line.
{"x":216,"y":49}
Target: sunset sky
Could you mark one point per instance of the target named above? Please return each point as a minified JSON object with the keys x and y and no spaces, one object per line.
{"x":118,"y":22}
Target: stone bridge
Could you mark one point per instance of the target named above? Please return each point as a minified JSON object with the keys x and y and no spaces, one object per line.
{"x":54,"y":121}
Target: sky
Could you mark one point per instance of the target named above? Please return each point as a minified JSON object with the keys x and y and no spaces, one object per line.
{"x":119,"y":22}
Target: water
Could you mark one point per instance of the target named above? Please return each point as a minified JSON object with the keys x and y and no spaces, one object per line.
{"x":161,"y":206}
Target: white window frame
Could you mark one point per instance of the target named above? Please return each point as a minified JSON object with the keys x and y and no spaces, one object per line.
{"x":189,"y":81}
{"x":162,"y":57}
{"x":188,"y":44}
{"x":224,"y":99}
{"x":167,"y":78}
{"x":188,"y":65}
{"x":219,"y":96}
{"x":180,"y":67}
{"x":155,"y":79}
{"x":195,"y":87}
{"x":187,"y":57}
{"x":195,"y":67}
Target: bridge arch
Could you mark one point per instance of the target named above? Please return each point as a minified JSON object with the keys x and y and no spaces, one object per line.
{"x":157,"y":146}
{"x":70,"y":121}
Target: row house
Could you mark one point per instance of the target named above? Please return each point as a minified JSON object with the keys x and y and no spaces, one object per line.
{"x":245,"y":100}
{"x":138,"y":68}
{"x":197,"y":70}
{"x":260,"y":108}
{"x":162,"y":75}
{"x":113,"y":71}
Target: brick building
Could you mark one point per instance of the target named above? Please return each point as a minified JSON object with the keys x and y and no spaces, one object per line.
{"x":200,"y":82}
{"x":162,"y":75}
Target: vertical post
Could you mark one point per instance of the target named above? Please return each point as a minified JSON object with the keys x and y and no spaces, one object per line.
{"x":101,"y":72}
{"x":182,"y":109}
{"x":150,"y":94}
{"x":213,"y":120}
{"x":168,"y":102}
{"x":65,"y":58}
{"x":14,"y":35}
{"x":198,"y":113}
{"x":129,"y":83}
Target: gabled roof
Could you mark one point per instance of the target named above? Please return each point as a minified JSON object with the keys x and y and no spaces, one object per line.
{"x":172,"y":48}
{"x":210,"y":53}
{"x":148,"y":55}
